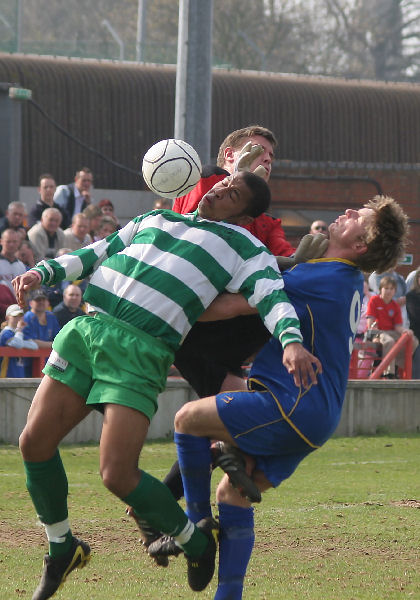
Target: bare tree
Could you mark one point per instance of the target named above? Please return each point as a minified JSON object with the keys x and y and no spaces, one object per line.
{"x":371,"y":36}
{"x":376,"y":39}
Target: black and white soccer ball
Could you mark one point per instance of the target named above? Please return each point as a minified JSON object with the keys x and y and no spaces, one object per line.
{"x":171,"y":168}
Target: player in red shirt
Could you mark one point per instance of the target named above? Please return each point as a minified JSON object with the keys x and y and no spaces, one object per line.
{"x":384,"y":314}
{"x":265,"y":227}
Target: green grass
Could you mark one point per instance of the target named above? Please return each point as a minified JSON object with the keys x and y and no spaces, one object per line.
{"x":345,"y":526}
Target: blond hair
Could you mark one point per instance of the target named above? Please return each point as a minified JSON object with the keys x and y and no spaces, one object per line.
{"x":386,"y":236}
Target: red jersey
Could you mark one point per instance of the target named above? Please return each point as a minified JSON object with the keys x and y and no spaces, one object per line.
{"x":387,"y":316}
{"x":266,"y":228}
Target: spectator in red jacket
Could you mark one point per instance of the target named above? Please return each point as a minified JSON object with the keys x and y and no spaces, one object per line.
{"x":384,"y":314}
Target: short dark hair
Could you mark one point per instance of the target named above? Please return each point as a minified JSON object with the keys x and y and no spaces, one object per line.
{"x":236,"y":138}
{"x":261,"y":195}
{"x":45,"y":176}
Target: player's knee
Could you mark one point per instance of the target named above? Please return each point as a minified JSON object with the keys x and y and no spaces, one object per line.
{"x":114,"y":480}
{"x":227,"y":494}
{"x":224,"y":491}
{"x":183,"y":418}
{"x":25,"y":444}
{"x":34,"y":449}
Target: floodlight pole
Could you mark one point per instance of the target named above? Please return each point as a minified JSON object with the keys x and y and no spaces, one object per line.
{"x":194,"y":76}
{"x":141,"y":30}
{"x":18,"y":25}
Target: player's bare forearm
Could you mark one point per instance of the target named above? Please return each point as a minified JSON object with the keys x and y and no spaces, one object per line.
{"x":227,"y":306}
{"x":300,"y":363}
{"x":43,"y":344}
{"x":23,"y":284}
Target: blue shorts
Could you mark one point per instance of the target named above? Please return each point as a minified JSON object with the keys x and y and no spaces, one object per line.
{"x":258,"y":426}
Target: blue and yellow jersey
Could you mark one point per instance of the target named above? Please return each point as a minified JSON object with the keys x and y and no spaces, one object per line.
{"x":328,"y":314}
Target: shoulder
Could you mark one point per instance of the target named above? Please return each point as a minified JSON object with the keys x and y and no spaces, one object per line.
{"x":35,"y":229}
{"x":58,"y":308}
{"x":213,"y":170}
{"x":19,"y":265}
{"x":29,"y":317}
{"x":51,"y":318}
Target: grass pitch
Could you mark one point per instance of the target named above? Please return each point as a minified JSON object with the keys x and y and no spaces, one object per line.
{"x":345,"y":526}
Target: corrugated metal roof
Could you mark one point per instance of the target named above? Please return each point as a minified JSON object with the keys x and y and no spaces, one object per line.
{"x":121,"y":109}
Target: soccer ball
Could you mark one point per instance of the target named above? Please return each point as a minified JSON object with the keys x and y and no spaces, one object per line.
{"x":171,"y":168}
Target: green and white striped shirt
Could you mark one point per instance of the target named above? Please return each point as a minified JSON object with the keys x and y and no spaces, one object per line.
{"x":162,"y":270}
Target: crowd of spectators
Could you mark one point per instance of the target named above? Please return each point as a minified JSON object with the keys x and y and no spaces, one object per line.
{"x":63,"y":219}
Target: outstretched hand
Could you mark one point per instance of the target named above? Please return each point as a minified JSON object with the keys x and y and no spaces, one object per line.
{"x":247,"y":156}
{"x":299,"y":363}
{"x":310,"y":246}
{"x":23,"y":284}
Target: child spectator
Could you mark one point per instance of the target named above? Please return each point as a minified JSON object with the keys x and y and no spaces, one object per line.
{"x":384,"y":314}
{"x":106,"y":227}
{"x":14,"y":333}
{"x":107,"y":209}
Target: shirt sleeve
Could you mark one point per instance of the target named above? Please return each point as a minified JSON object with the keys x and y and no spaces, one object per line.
{"x":61,"y":194}
{"x":260,"y":281}
{"x":371,"y":308}
{"x":82,"y":263}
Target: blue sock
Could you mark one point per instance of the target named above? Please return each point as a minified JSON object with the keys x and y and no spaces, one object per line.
{"x":194,"y":458}
{"x":236,"y":543}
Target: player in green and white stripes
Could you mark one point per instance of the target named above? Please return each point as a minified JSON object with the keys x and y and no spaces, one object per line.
{"x":149,"y":283}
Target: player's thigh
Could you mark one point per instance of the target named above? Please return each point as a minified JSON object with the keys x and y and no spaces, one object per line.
{"x":201,"y":418}
{"x":55,"y":410}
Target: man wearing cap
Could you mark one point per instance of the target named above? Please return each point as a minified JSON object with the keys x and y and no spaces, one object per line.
{"x":42,"y":324}
{"x":15,"y":335}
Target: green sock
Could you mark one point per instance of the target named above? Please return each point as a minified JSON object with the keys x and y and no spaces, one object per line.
{"x":55,"y":549}
{"x":154,"y":503}
{"x":48,"y":487}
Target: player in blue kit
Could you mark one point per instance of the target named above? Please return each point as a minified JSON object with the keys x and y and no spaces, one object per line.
{"x":277,"y":422}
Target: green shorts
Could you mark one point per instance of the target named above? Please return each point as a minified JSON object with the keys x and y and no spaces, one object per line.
{"x":106,"y":360}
